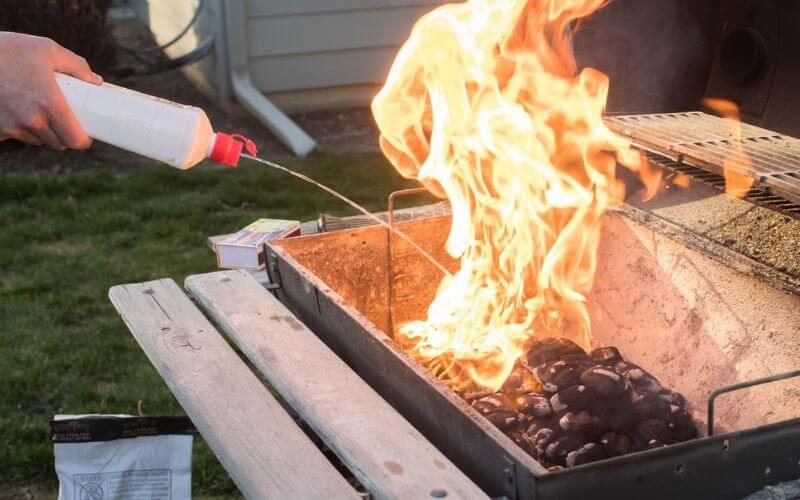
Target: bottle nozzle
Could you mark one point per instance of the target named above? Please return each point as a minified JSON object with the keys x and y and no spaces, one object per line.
{"x":228,"y":148}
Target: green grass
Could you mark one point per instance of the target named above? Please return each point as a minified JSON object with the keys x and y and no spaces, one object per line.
{"x":65,"y":239}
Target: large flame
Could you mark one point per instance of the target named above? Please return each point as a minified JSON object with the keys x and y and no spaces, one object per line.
{"x":484,"y":105}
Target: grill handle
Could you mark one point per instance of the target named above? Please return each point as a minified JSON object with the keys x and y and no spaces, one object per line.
{"x":743,"y":385}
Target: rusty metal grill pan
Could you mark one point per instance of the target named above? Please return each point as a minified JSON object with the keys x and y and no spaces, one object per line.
{"x":723,"y":466}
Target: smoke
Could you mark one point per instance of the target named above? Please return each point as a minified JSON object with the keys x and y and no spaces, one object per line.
{"x":658,"y":53}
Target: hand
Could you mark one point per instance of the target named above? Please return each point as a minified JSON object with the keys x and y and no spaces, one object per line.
{"x":32,"y":107}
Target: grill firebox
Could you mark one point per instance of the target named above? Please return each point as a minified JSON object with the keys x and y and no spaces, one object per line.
{"x":688,"y":318}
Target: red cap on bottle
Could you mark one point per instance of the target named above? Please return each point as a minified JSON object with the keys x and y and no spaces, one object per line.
{"x":228,"y":148}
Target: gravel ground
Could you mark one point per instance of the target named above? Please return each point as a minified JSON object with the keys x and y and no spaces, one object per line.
{"x":766,"y":236}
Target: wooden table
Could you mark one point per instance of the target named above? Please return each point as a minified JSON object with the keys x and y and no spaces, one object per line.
{"x":262,"y":447}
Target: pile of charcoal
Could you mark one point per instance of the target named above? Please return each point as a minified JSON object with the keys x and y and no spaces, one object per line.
{"x":566,"y":407}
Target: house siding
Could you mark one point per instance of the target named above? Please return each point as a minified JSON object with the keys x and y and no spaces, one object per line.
{"x":311,"y":44}
{"x":300,"y":45}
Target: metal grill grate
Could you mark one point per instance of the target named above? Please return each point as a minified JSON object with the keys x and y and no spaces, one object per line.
{"x":757,"y":196}
{"x":705,"y":141}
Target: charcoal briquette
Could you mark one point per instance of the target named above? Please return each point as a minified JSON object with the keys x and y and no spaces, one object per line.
{"x":487,"y":404}
{"x":603,"y":381}
{"x":578,"y":361}
{"x":575,"y":398}
{"x":590,"y":452}
{"x":618,"y":415}
{"x":653,"y":429}
{"x":637,"y":444}
{"x":608,"y":356}
{"x":673,"y":398}
{"x":514,"y":380}
{"x":524,"y":441}
{"x":474,"y":393}
{"x":681,"y":427}
{"x":542,"y":439}
{"x":582,"y":423}
{"x":622,"y":366}
{"x":505,"y":419}
{"x":530,"y":384}
{"x":566,"y":407}
{"x":649,"y":405}
{"x":556,"y":375}
{"x":534,"y":405}
{"x":640,"y":379}
{"x":558,"y":450}
{"x":540,"y":351}
{"x":615,"y":445}
{"x":544,"y":423}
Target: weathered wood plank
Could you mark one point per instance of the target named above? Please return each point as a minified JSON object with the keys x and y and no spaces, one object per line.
{"x":263,"y":449}
{"x":389,"y":456}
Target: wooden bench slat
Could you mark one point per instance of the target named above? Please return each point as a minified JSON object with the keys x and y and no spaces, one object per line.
{"x":263,"y":449}
{"x":386,"y":453}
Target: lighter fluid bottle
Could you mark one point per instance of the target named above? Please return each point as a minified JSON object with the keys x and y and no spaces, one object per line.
{"x":175,"y":134}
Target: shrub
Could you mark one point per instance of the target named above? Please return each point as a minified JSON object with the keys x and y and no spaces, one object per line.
{"x":79,"y":25}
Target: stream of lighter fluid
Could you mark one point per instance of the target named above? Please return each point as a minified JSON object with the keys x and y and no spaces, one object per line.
{"x":355,"y":205}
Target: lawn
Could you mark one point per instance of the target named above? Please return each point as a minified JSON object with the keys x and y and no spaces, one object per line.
{"x":65,"y":239}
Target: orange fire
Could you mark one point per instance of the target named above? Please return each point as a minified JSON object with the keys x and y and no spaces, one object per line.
{"x":736,"y":184}
{"x":485,"y":106}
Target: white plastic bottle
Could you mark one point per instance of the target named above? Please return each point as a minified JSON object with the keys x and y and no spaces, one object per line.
{"x":175,"y":134}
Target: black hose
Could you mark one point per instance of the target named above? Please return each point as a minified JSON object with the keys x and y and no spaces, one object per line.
{"x":155,"y":66}
{"x":202,"y":50}
{"x":160,"y":48}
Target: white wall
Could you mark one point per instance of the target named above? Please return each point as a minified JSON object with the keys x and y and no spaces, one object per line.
{"x":304,"y":53}
{"x":307,"y":44}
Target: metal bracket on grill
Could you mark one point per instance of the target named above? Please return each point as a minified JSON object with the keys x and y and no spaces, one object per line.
{"x":510,"y":472}
{"x":272,"y":272}
{"x":735,"y":387}
{"x":389,"y":263}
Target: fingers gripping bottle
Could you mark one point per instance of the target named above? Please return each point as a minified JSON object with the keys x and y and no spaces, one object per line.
{"x":172,"y":133}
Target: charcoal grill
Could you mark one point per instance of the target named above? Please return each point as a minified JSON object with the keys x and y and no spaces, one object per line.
{"x":714,"y":325}
{"x":703,"y":325}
